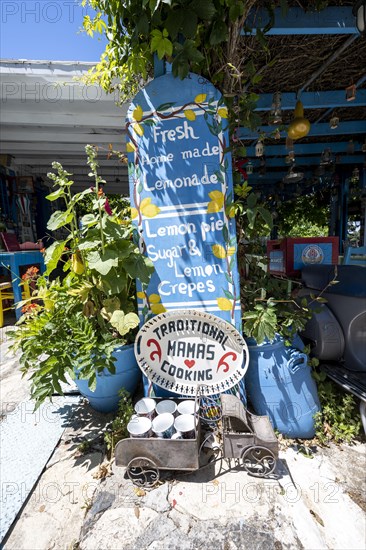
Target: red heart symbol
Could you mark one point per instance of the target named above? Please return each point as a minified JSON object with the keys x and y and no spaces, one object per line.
{"x":189,"y":363}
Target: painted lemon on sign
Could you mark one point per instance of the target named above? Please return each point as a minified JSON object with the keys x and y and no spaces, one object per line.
{"x":154,"y":298}
{"x":224,"y":304}
{"x":157,"y":308}
{"x":137,"y":113}
{"x":216,"y":203}
{"x":155,"y":304}
{"x":219,"y":251}
{"x":130,"y":147}
{"x":189,"y":114}
{"x":222,"y":112}
{"x":138,"y":129}
{"x":200,"y":98}
{"x":147,"y":208}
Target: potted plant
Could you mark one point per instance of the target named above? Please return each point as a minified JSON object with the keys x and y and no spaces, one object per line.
{"x":83,"y":321}
{"x":278,"y":380}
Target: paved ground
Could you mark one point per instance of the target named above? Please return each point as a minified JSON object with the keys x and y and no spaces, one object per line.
{"x":314,"y":503}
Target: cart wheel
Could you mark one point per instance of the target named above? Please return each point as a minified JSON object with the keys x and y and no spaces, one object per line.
{"x":143,"y":472}
{"x":258,"y":461}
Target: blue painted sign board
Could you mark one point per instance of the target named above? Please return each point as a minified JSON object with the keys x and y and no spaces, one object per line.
{"x":181,"y":190}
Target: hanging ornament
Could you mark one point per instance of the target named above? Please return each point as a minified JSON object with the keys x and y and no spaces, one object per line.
{"x":275,"y":116}
{"x":262,"y":168}
{"x":277,"y":134}
{"x":333,"y":123}
{"x":356,"y":173}
{"x":326,"y":157}
{"x":250,"y":168}
{"x":289,"y":144}
{"x":240,"y":167}
{"x":350,"y":147}
{"x":290,"y":157}
{"x":259,"y":149}
{"x":300,"y":126}
{"x":363,"y":148}
{"x":351,"y":92}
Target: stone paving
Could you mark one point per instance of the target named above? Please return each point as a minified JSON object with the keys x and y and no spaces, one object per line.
{"x":313,"y":503}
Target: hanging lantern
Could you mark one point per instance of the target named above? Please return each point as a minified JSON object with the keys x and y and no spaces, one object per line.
{"x":359,"y":11}
{"x":259,"y":149}
{"x":300,"y":126}
{"x":250,"y":168}
{"x":276,"y":113}
{"x":277,"y":134}
{"x":333,"y":123}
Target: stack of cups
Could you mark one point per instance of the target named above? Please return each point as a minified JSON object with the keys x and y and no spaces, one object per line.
{"x":165,"y":420}
{"x":140,"y":424}
{"x":185,"y":421}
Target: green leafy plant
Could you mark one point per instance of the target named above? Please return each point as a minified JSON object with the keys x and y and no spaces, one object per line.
{"x":338,"y":420}
{"x":77,"y":322}
{"x":118,"y":428}
{"x":269,"y":303}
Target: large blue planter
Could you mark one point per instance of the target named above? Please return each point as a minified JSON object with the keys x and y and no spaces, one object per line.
{"x":105,"y":398}
{"x":280,"y":385}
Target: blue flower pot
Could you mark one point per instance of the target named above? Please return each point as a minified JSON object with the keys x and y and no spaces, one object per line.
{"x":105,"y":398}
{"x":280,"y":385}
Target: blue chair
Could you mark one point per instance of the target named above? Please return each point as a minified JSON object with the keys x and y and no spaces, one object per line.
{"x":355,"y":256}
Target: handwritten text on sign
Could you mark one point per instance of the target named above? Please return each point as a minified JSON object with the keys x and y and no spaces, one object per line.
{"x":178,"y":350}
{"x":181,"y":195}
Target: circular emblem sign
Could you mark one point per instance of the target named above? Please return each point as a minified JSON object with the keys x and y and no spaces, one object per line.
{"x":182,"y":349}
{"x":312,"y":254}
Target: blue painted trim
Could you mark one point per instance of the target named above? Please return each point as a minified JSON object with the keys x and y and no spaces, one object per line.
{"x":321,"y":129}
{"x":305,"y":148}
{"x":275,"y":176}
{"x":313,"y":100}
{"x":313,"y":160}
{"x":331,"y":20}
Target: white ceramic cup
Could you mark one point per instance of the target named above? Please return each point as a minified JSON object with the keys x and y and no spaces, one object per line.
{"x":139,"y":426}
{"x":186,"y":406}
{"x":184,"y":424}
{"x":163,"y":425}
{"x":166,"y":406}
{"x":146,"y":407}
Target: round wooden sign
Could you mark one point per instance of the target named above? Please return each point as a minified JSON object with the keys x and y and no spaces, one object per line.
{"x":181,"y":349}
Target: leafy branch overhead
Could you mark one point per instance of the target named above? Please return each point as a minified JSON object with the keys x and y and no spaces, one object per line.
{"x":205,"y":37}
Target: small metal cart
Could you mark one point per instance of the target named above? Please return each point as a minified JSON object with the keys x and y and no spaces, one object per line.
{"x":243,"y":436}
